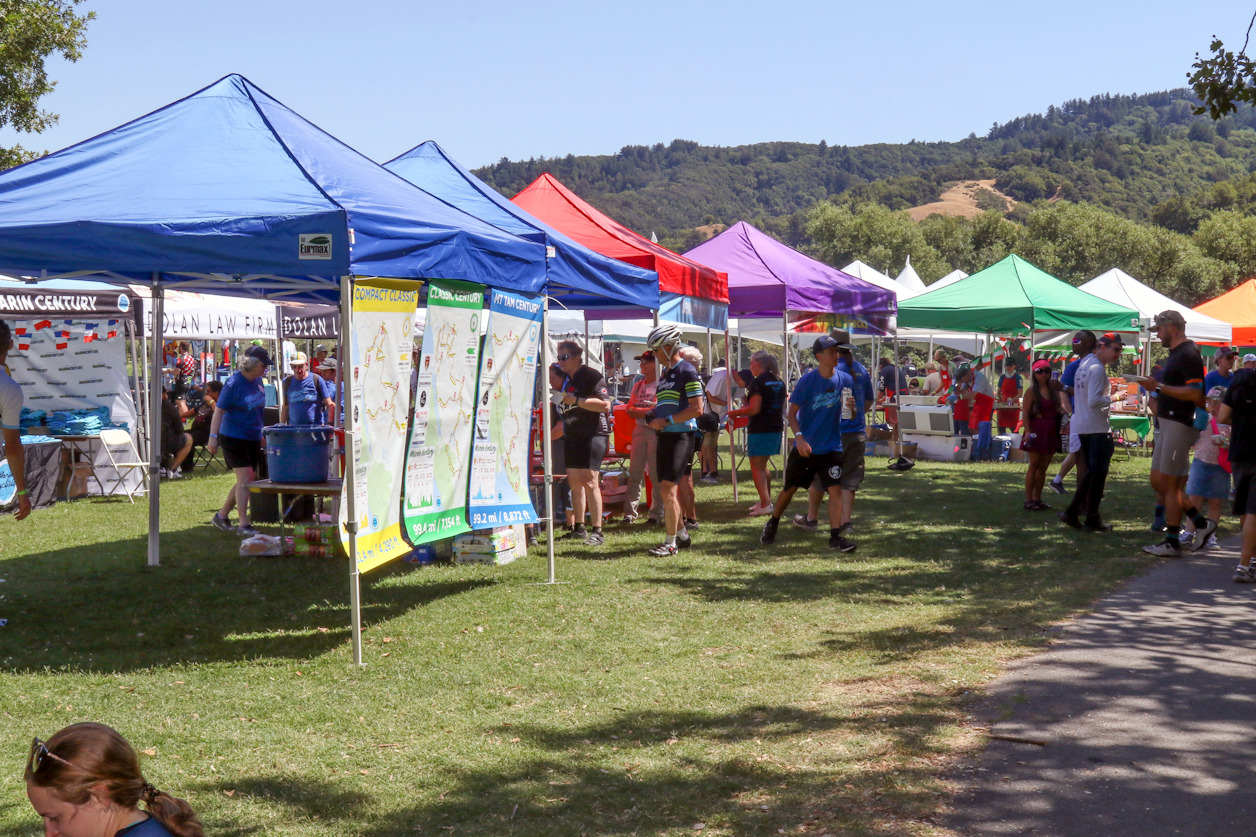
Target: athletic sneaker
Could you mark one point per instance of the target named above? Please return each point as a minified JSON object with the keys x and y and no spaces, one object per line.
{"x":628,"y":519}
{"x":692,"y":524}
{"x":175,"y":474}
{"x":1056,"y":485}
{"x":801,"y":521}
{"x":1244,"y":575}
{"x":846,"y":529}
{"x":663,"y":550}
{"x":768,"y":535}
{"x":1158,"y":524}
{"x":1212,"y":541}
{"x":1096,"y":526}
{"x":653,"y":521}
{"x":576,"y":533}
{"x":221,"y":522}
{"x":1186,"y":539}
{"x":1164,"y":549}
{"x":685,"y":542}
{"x":533,"y":541}
{"x":1068,"y":520}
{"x":756,"y":510}
{"x":1202,"y":535}
{"x":246,"y":531}
{"x":709,"y":480}
{"x":841,"y":544}
{"x":595,"y":539}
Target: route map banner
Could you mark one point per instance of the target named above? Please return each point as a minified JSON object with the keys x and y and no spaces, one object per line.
{"x":379,"y":377}
{"x":503,"y":417}
{"x":439,"y":454}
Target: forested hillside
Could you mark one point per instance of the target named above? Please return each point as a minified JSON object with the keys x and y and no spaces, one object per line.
{"x":1130,"y":154}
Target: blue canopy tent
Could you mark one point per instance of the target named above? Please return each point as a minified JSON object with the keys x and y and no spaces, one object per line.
{"x":230,"y":191}
{"x":577,"y":277}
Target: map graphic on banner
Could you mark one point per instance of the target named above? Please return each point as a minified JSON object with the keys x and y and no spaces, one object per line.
{"x":444,"y":412}
{"x":378,"y":376}
{"x":503,"y":419}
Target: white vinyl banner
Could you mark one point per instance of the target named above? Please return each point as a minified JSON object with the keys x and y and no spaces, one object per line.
{"x":77,"y":366}
{"x":503,"y":419}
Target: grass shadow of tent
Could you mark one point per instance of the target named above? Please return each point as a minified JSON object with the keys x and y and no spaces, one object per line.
{"x":103,"y":610}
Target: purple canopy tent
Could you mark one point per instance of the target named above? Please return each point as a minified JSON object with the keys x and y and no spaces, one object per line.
{"x":769,"y":279}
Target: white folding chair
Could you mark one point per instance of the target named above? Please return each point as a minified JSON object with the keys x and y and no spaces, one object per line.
{"x":118,"y":438}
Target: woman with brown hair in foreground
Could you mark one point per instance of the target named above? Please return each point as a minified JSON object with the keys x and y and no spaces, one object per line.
{"x":85,"y":781}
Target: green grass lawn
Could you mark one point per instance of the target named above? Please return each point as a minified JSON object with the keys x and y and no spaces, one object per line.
{"x":754,"y":690}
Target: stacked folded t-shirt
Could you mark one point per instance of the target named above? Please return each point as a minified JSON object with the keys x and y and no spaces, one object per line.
{"x":78,"y":422}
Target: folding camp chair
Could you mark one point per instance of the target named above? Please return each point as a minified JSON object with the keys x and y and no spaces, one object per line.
{"x":202,"y":458}
{"x":116,"y":438}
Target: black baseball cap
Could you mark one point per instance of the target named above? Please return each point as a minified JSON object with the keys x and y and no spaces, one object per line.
{"x":259,"y":353}
{"x":823,"y":342}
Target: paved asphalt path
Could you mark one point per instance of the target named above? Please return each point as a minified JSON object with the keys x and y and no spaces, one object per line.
{"x":1148,"y":708}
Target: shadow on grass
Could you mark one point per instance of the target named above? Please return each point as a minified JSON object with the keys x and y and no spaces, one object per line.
{"x":100,"y":609}
{"x":670,"y":771}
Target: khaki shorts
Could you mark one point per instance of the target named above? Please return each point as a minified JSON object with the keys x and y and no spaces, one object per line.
{"x":1172,"y":453}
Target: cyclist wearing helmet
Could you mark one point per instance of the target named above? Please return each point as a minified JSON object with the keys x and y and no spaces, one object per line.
{"x":585,"y":406}
{"x":678,"y":403}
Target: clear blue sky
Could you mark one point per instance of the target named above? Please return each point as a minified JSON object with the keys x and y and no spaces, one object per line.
{"x":490,"y":79}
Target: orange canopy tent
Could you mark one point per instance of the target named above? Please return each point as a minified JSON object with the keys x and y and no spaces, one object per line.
{"x":1238,"y":308}
{"x":689,"y":292}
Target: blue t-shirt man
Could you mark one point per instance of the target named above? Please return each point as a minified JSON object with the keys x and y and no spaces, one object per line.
{"x":1217,"y":378}
{"x":819,"y":401}
{"x":306,"y":399}
{"x":863,"y":394}
{"x":243,"y":401}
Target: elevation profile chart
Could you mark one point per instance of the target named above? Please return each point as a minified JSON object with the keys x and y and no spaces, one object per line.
{"x":503,"y":415}
{"x":378,"y":374}
{"x":439,"y":454}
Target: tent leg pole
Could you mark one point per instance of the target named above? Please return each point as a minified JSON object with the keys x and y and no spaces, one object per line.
{"x":351,"y":481}
{"x":785,"y":378}
{"x":547,"y":451}
{"x":728,"y":405}
{"x":154,"y":436}
{"x":141,"y":408}
{"x":279,"y":358}
{"x":656,"y":316}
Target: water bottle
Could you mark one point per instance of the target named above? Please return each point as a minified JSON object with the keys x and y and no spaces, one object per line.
{"x":1032,"y":437}
{"x":847,"y":412}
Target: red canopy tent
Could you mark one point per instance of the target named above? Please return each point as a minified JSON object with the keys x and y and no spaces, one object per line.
{"x":689,"y":292}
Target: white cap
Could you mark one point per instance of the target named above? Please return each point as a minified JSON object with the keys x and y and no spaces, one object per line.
{"x":1249,"y":358}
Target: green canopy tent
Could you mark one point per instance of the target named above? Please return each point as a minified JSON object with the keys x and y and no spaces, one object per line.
{"x":1013,"y":297}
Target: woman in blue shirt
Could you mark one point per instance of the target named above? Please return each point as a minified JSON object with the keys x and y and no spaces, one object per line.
{"x":237,"y":429}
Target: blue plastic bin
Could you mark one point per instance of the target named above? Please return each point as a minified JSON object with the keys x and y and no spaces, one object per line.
{"x":298,"y":453}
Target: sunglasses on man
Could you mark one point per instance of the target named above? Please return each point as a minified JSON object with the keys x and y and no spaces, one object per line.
{"x":565,"y":357}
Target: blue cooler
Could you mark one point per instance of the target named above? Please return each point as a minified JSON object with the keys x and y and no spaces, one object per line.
{"x":298,"y":453}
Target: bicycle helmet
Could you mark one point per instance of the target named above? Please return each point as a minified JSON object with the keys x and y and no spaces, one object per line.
{"x":663,"y":334}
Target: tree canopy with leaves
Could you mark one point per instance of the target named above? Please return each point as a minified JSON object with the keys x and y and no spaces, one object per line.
{"x":1226,"y":79}
{"x":31,"y":31}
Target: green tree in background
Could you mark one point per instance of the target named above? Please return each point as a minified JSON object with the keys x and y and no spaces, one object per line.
{"x":1230,"y":236}
{"x":875,"y":234}
{"x":31,"y":31}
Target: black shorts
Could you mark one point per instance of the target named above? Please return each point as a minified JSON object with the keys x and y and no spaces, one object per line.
{"x":801,"y":470}
{"x":698,"y":439}
{"x":586,"y":454}
{"x":173,"y":443}
{"x":675,"y":456}
{"x":1244,"y":474}
{"x":240,"y":453}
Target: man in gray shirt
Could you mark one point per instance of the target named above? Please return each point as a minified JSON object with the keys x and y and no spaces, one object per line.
{"x":1092,"y":402}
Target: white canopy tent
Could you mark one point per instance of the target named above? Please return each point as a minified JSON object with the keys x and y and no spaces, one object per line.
{"x":949,"y":279}
{"x":911,"y":280}
{"x":876,"y":277}
{"x":1118,"y":286}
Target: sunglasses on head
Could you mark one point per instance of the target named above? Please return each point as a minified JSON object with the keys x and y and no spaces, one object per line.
{"x":39,"y":752}
{"x":564,"y":357}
